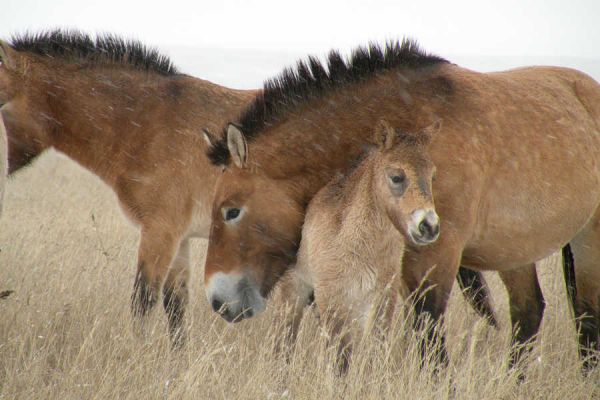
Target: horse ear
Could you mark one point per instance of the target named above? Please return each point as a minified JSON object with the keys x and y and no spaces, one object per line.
{"x":209,"y":138}
{"x":7,"y":55}
{"x":384,"y":135}
{"x":433,"y":129}
{"x":236,"y":143}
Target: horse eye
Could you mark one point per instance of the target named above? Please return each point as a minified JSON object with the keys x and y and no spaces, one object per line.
{"x":232,"y":213}
{"x":397,"y":179}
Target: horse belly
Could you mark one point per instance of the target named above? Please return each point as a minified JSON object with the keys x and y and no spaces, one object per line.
{"x":521,"y":221}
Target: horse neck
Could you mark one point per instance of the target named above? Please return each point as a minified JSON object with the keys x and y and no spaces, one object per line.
{"x":363,"y":217}
{"x":322,"y":138}
{"x":106,"y":118}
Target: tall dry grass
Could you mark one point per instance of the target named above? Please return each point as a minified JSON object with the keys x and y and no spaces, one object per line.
{"x":66,"y":332}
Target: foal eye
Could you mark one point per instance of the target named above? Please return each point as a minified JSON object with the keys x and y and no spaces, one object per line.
{"x":397,"y":179}
{"x":231,"y":214}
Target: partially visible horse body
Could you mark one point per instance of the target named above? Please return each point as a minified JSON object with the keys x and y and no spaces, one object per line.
{"x":353,"y":238}
{"x":3,"y":161}
{"x":122,"y":111}
{"x":518,"y":175}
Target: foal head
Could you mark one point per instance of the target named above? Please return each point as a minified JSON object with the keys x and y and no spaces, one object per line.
{"x":403,"y":174}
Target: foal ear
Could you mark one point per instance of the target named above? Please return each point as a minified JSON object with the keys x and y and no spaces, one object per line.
{"x":7,"y":55}
{"x":236,"y":143}
{"x":209,"y":138}
{"x":384,"y":135}
{"x":433,"y":129}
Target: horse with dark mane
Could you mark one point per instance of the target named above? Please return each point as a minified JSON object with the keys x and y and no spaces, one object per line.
{"x":124,"y":112}
{"x":518,"y":173}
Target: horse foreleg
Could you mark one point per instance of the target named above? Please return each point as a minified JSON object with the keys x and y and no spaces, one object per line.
{"x":176,"y":293}
{"x":429,"y":275}
{"x":155,"y":254}
{"x":292,"y":296}
{"x":475,"y":290}
{"x":526,"y":307}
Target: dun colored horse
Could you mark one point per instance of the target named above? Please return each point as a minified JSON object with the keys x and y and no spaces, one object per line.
{"x":354,"y":232}
{"x":518,"y":176}
{"x":123,"y":111}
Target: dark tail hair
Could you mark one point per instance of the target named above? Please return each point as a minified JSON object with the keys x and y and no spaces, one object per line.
{"x":569,"y":273}
{"x":476,"y":292}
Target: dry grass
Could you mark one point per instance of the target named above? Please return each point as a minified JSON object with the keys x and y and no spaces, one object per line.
{"x":66,"y":333}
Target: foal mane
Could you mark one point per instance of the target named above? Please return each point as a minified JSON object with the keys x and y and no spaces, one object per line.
{"x":310,"y":79}
{"x":76,"y":46}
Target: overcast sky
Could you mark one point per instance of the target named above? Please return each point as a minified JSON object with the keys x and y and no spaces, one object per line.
{"x":513,"y":27}
{"x":556,"y":28}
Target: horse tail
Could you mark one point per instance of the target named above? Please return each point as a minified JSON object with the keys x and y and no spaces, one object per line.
{"x":569,"y":274}
{"x":476,"y":292}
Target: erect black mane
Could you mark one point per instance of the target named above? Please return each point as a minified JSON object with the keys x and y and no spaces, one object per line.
{"x":74,"y":45}
{"x":310,"y":79}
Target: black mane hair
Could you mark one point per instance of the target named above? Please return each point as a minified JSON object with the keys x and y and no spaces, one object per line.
{"x":310,"y":79}
{"x":74,"y":45}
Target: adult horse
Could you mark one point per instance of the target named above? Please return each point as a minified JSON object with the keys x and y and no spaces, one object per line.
{"x":518,"y":175}
{"x":124,"y":112}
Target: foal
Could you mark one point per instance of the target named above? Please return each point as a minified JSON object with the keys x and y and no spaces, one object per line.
{"x":354,"y":233}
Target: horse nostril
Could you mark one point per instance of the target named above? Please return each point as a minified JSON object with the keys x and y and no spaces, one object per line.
{"x":216,"y":305}
{"x":424,"y":228}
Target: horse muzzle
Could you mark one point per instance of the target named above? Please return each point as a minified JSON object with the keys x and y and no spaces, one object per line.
{"x":424,"y":227}
{"x":234,"y":296}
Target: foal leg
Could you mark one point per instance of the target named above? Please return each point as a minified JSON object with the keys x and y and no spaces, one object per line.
{"x":155,"y":254}
{"x":586,"y":249}
{"x":526,"y":307}
{"x":176,"y":293}
{"x":292,"y":296}
{"x":336,"y":312}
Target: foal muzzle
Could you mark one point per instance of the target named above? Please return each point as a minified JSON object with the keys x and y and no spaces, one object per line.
{"x":424,"y":227}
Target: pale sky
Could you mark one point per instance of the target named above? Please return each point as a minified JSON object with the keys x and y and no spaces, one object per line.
{"x":554,"y":28}
{"x":513,"y":27}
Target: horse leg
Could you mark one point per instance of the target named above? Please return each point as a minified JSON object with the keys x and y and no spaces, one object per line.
{"x":176,"y":293}
{"x":526,"y":307}
{"x":586,"y":249}
{"x":155,"y":254}
{"x":336,"y":311}
{"x":476,"y":292}
{"x":292,"y":296}
{"x":429,"y":274}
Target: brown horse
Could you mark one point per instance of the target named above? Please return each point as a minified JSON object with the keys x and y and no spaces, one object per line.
{"x":123,"y":111}
{"x":353,"y":237}
{"x":518,"y":175}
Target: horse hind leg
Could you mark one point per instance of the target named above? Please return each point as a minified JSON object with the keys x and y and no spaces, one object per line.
{"x":586,"y":251}
{"x":176,"y":294}
{"x":526,"y":308}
